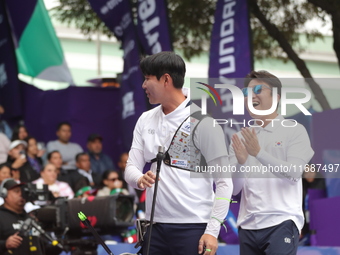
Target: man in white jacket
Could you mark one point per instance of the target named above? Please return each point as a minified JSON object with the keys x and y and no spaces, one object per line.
{"x":188,"y":214}
{"x":270,"y":158}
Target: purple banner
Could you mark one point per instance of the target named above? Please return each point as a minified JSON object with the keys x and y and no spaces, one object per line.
{"x":328,"y":123}
{"x":230,"y":60}
{"x":230,"y":57}
{"x":230,"y":50}
{"x":118,"y":18}
{"x":9,"y":84}
{"x":153,"y":26}
{"x":324,"y":221}
{"x":88,"y":109}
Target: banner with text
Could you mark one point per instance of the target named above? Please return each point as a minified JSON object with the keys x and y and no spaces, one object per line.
{"x":230,"y":58}
{"x":153,"y":26}
{"x":117,"y":16}
{"x":230,"y":54}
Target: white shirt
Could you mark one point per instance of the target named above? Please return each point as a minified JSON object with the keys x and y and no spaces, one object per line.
{"x":270,"y":198}
{"x":180,"y":197}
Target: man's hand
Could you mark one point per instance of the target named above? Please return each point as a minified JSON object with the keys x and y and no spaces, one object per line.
{"x":19,"y":162}
{"x":250,"y":141}
{"x":241,"y":152}
{"x":13,"y":241}
{"x":208,"y":244}
{"x":147,"y":180}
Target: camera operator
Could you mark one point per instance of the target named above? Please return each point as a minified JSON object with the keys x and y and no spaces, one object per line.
{"x":12,"y":216}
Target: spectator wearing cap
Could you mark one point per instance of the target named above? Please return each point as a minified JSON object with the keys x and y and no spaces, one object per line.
{"x":18,"y":161}
{"x":67,"y":149}
{"x":4,"y":147}
{"x":100,"y":162}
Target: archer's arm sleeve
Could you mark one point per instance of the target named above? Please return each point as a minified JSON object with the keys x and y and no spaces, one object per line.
{"x":136,"y":161}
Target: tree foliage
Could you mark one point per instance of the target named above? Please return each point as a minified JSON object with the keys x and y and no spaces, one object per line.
{"x":191,"y":23}
{"x":332,"y":7}
{"x":80,"y":13}
{"x":276,"y":27}
{"x":290,"y":17}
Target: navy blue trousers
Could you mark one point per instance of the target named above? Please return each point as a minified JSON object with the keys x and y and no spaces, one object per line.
{"x":281,"y":239}
{"x":174,"y":239}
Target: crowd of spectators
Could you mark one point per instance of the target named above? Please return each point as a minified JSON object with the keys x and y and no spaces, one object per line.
{"x":64,"y":166}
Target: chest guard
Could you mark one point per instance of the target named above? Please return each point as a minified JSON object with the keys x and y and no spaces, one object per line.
{"x":182,"y":152}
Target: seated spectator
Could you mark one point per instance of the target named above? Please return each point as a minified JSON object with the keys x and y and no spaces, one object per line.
{"x":55,"y":158}
{"x":19,"y":132}
{"x":84,"y":168}
{"x":4,"y":147}
{"x":18,"y":161}
{"x":32,"y":154}
{"x":100,"y":162}
{"x":84,"y":176}
{"x":67,"y":149}
{"x":4,"y":127}
{"x":111,"y":184}
{"x":5,"y":172}
{"x":49,"y":177}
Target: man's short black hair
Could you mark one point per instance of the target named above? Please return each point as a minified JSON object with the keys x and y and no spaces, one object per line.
{"x":266,"y":77}
{"x":5,"y":164}
{"x":93,"y":137}
{"x":80,"y":155}
{"x":162,"y":63}
{"x":62,"y":124}
{"x":49,"y":155}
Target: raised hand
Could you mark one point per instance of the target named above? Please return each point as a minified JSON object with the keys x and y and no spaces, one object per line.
{"x":241,"y":152}
{"x":250,"y":141}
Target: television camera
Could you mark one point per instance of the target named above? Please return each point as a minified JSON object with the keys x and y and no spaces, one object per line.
{"x":58,"y":217}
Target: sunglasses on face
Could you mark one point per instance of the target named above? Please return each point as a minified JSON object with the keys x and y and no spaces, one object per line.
{"x":113,"y":179}
{"x":256,"y":89}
